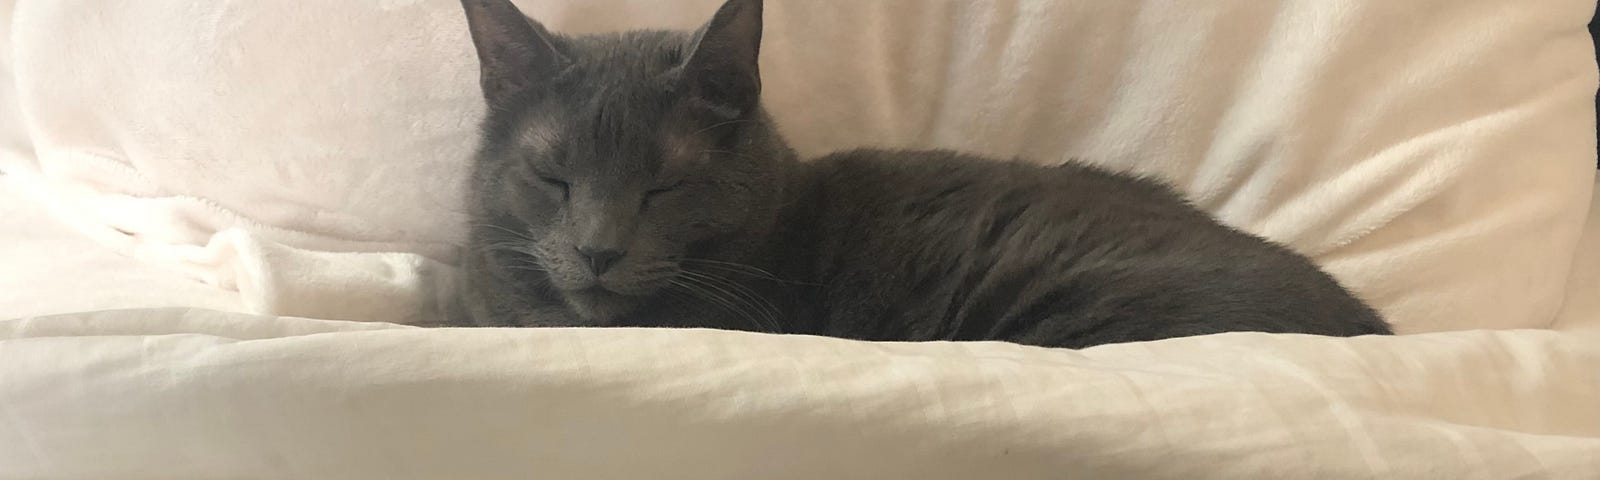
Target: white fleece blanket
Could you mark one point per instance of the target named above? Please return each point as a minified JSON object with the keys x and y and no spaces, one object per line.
{"x":195,"y":394}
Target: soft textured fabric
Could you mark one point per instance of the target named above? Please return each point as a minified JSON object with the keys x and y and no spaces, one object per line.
{"x":1435,"y":155}
{"x":194,"y":394}
{"x":1581,"y":310}
{"x":47,"y":268}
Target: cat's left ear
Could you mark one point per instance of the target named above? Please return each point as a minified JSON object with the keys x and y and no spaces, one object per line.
{"x":514,"y":52}
{"x":723,"y":72}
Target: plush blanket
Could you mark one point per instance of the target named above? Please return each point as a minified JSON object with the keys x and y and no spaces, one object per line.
{"x":201,"y":394}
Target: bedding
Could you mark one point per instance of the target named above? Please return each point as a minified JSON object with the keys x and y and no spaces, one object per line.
{"x":47,"y":268}
{"x":229,"y":395}
{"x":182,"y":393}
{"x":207,"y":265}
{"x":1581,"y":310}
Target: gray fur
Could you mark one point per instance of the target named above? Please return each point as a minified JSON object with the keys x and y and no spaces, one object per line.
{"x":647,"y":157}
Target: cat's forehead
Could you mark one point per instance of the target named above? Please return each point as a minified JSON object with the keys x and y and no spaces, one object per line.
{"x":629,"y":63}
{"x":638,"y":51}
{"x":611,"y":118}
{"x":617,"y":101}
{"x":610,"y":114}
{"x":589,"y":140}
{"x":539,"y":133}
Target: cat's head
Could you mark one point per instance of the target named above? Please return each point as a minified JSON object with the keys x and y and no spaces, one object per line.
{"x":607,"y":160}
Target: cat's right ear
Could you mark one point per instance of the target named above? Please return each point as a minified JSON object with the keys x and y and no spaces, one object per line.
{"x":515,"y":53}
{"x":724,"y":71}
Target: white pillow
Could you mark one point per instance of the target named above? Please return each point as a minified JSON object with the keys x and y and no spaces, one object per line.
{"x":1433,"y":154}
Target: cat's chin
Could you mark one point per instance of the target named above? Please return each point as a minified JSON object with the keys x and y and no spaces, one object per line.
{"x":601,"y":306}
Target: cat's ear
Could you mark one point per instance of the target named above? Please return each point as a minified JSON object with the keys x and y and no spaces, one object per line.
{"x":723,"y":72}
{"x":514,"y":52}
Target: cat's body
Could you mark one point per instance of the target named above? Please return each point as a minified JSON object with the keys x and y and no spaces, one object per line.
{"x":634,"y":180}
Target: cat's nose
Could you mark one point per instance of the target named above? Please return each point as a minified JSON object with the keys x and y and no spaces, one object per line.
{"x":601,"y":259}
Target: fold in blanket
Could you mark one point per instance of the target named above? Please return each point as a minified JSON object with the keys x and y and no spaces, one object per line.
{"x":198,"y":394}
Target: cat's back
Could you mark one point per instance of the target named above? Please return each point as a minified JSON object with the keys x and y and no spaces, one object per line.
{"x":988,"y":202}
{"x":955,"y":178}
{"x":952,"y":246}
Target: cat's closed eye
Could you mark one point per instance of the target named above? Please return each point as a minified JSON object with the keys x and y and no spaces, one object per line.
{"x":555,"y":184}
{"x":660,"y":190}
{"x":656,"y":192}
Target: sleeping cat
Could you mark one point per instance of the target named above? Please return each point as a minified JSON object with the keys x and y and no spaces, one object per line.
{"x":634,"y":179}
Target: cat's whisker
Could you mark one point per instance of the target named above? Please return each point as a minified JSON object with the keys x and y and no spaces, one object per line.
{"x":769,"y":313}
{"x":702,"y":295}
{"x":709,"y":282}
{"x":749,"y":293}
{"x":708,"y":261}
{"x":514,"y":233}
{"x":723,"y":299}
{"x":756,"y":300}
{"x":730,"y":153}
{"x":512,"y":247}
{"x":735,"y":303}
{"x":717,"y":125}
{"x":743,"y":269}
{"x":756,"y":275}
{"x":536,"y":250}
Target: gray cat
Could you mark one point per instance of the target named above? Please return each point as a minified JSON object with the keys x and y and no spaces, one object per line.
{"x":634,"y":179}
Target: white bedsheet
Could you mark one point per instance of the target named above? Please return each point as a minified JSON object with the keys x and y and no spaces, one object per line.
{"x":198,"y":394}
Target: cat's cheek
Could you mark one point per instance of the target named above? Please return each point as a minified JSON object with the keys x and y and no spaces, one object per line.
{"x":536,"y":208}
{"x":702,"y":230}
{"x":533,"y":216}
{"x":684,"y":233}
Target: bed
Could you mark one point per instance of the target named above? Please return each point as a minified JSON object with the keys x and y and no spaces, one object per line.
{"x":214,"y":265}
